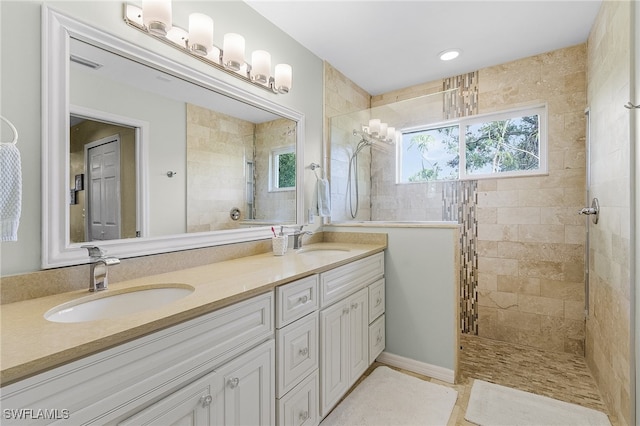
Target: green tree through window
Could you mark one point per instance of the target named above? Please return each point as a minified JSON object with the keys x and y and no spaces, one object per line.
{"x":504,"y":143}
{"x":287,"y":170}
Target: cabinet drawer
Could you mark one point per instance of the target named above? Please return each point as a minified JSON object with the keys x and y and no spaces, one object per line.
{"x":376,"y":300}
{"x":345,"y":280}
{"x":296,"y":300}
{"x":297,"y":353}
{"x":376,"y":339}
{"x":300,"y":406}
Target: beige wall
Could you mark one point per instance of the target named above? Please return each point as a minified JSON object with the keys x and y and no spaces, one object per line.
{"x":608,"y":326}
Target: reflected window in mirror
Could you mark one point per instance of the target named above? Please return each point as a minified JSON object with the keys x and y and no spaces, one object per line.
{"x":283,"y":169}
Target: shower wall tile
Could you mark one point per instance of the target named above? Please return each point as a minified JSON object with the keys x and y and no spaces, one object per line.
{"x":540,"y":305}
{"x":519,"y":285}
{"x":487,"y":281}
{"x":517,"y":215}
{"x":213,"y":139}
{"x":496,"y":232}
{"x":533,"y":220}
{"x":342,"y":97}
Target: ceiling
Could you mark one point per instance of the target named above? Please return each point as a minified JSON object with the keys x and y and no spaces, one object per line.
{"x":388,"y":45}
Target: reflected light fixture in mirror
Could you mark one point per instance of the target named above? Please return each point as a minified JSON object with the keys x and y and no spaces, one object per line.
{"x":154,"y":18}
{"x":378,"y":131}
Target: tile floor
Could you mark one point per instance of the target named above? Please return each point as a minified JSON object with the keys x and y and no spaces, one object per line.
{"x":557,"y":375}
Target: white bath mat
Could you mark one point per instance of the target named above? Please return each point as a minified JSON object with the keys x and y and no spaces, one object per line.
{"x":495,"y":405}
{"x":388,"y":397}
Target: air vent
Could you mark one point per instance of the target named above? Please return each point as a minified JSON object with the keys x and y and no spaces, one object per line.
{"x":85,"y":62}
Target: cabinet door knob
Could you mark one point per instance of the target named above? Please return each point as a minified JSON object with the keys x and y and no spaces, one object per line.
{"x":345,"y":311}
{"x":304,"y":415}
{"x":378,"y":301}
{"x":206,"y":400}
{"x":304,"y":351}
{"x":233,"y":383}
{"x":354,"y":306}
{"x":303,"y":299}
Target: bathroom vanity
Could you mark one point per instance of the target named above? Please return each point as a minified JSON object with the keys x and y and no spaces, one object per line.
{"x":261,"y":340}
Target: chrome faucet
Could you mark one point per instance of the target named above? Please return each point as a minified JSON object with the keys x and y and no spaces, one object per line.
{"x":98,"y":278}
{"x":297,"y":237}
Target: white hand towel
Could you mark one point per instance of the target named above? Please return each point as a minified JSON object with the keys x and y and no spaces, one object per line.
{"x":10,"y":191}
{"x":324,"y":198}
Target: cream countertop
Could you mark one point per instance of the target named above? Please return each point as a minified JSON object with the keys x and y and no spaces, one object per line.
{"x":31,"y":344}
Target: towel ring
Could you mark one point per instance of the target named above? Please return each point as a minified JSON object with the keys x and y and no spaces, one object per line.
{"x":13,"y":129}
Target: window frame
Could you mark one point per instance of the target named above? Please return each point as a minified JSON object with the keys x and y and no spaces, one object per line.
{"x":274,"y":169}
{"x":462,"y":122}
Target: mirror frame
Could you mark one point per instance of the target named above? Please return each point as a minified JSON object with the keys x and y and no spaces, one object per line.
{"x":57,"y":250}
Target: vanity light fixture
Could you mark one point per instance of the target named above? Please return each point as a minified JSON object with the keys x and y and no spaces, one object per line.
{"x":154,"y":19}
{"x":449,"y":54}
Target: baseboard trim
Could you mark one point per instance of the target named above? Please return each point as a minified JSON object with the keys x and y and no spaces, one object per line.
{"x":419,"y":367}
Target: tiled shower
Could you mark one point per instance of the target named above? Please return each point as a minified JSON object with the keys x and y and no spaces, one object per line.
{"x":529,"y":239}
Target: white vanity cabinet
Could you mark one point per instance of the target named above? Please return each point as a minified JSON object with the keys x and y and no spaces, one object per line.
{"x":297,"y":352}
{"x":227,"y":354}
{"x":238,"y":393}
{"x":345,"y":325}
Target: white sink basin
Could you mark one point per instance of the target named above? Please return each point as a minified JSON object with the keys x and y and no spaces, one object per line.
{"x":323,"y":249}
{"x":110,"y":305}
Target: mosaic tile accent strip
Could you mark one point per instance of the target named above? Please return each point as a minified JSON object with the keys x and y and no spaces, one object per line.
{"x":459,"y":203}
{"x":461,"y":102}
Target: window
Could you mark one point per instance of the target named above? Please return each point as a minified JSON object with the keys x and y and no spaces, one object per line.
{"x":511,"y":143}
{"x":283,"y":169}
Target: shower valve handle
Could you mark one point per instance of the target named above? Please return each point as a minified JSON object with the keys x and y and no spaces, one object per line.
{"x":594,"y":210}
{"x":588,"y":210}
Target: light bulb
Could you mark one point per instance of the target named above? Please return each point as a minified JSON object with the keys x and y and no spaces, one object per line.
{"x":283,"y":77}
{"x":200,"y":33}
{"x":156,"y":16}
{"x":233,"y":51}
{"x":260,"y":66}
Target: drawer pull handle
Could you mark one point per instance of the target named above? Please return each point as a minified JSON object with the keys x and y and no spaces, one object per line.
{"x":304,"y":351}
{"x":303,"y":299}
{"x":206,"y":400}
{"x":304,"y":415}
{"x":233,"y":383}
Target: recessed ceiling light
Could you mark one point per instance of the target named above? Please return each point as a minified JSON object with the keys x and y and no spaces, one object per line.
{"x":449,"y":54}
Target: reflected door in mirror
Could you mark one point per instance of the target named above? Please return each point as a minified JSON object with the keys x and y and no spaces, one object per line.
{"x":105,"y":207}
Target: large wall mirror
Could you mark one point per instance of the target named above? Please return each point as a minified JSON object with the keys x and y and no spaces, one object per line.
{"x":146,"y":155}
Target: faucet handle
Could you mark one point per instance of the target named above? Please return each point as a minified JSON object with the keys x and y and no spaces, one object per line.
{"x":94,"y":251}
